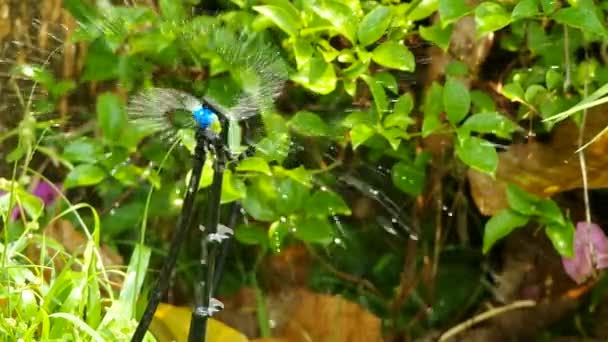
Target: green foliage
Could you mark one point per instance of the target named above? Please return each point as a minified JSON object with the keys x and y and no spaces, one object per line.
{"x":342,"y":54}
{"x":522,"y":208}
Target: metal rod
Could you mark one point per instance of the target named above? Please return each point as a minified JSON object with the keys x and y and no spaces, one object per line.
{"x":183,"y":224}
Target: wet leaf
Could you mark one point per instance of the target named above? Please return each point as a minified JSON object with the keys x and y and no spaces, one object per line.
{"x":172,"y":9}
{"x":171,"y":323}
{"x":378,"y":94}
{"x":452,"y":10}
{"x":251,"y":234}
{"x":291,"y":195}
{"x":111,"y":116}
{"x":513,"y":91}
{"x":490,"y":17}
{"x":456,"y":100}
{"x":276,"y":233}
{"x":438,"y":35}
{"x":84,"y":175}
{"x":525,"y":9}
{"x":374,"y":24}
{"x":583,"y":17}
{"x":338,"y":15}
{"x":493,"y":123}
{"x":308,"y":123}
{"x":83,"y":149}
{"x":254,"y":164}
{"x":501,"y":225}
{"x":409,"y":177}
{"x":562,"y":237}
{"x":314,"y":230}
{"x":482,"y":102}
{"x":388,"y":81}
{"x":283,"y":14}
{"x":360,"y":133}
{"x":433,"y":106}
{"x":326,"y":203}
{"x":317,"y":75}
{"x":394,"y":55}
{"x":478,"y":154}
{"x":521,"y":201}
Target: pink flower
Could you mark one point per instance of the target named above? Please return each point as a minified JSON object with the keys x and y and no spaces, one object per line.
{"x":590,"y":252}
{"x":43,"y":190}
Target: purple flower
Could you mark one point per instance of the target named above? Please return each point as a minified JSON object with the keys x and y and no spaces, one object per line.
{"x":43,"y":190}
{"x":590,"y":252}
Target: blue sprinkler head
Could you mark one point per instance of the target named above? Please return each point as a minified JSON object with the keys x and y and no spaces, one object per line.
{"x":203,"y":116}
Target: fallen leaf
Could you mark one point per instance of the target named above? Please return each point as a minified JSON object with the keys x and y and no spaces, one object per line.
{"x":321,"y":317}
{"x":545,"y":169}
{"x":171,"y":323}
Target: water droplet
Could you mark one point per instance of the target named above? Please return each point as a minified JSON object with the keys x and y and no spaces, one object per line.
{"x":178,"y":202}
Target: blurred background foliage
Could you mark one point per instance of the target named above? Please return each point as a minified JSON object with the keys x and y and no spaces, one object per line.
{"x":358,"y":188}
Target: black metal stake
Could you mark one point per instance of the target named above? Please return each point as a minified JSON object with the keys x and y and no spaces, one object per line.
{"x":209,"y":249}
{"x":185,"y":221}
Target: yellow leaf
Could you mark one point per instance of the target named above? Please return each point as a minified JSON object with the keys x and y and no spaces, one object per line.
{"x":171,"y":323}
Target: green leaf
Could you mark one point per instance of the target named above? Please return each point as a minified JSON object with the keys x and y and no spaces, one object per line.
{"x":111,"y":116}
{"x":554,"y":79}
{"x":521,"y":201}
{"x":339,"y":16}
{"x":394,"y":55}
{"x":172,"y":10}
{"x":493,"y":123}
{"x":400,"y":115}
{"x":550,"y":213}
{"x":456,"y":100}
{"x":360,"y":133}
{"x":309,"y":124}
{"x":313,"y":229}
{"x":254,"y":164}
{"x":409,"y":177}
{"x":291,"y":195}
{"x":438,"y":35}
{"x":128,"y":174}
{"x":388,"y":81}
{"x":583,"y":17}
{"x":549,"y":6}
{"x":423,"y":9}
{"x":501,"y":225}
{"x":233,"y":188}
{"x":101,"y":63}
{"x":456,"y":68}
{"x":525,"y":9}
{"x":303,"y":51}
{"x":378,"y":94}
{"x":83,"y":149}
{"x":433,"y":106}
{"x":317,"y":75}
{"x":490,"y":17}
{"x":452,"y":10}
{"x":513,"y":91}
{"x":251,"y":234}
{"x":258,"y":200}
{"x":482,"y":102}
{"x":374,"y":24}
{"x":285,"y":17}
{"x":84,"y":175}
{"x":326,"y":203}
{"x":478,"y":154}
{"x":33,"y":205}
{"x":534,"y":93}
{"x":562,"y":237}
{"x":299,"y":174}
